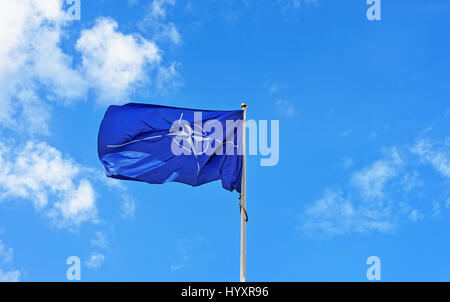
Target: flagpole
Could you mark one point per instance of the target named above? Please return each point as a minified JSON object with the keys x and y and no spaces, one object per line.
{"x":243,"y":202}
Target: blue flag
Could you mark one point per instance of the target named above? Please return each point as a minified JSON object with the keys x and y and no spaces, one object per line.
{"x":158,"y":144}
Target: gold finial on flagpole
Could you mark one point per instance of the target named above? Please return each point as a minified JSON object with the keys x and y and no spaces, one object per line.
{"x":244,"y":105}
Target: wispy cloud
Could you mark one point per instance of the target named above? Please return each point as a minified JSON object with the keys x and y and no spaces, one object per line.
{"x":415,"y":215}
{"x":186,"y":247}
{"x":158,"y":8}
{"x":273,"y":87}
{"x":285,"y":108}
{"x":100,"y":240}
{"x":380,"y":196}
{"x":177,"y":267}
{"x":39,"y":173}
{"x":294,"y":6}
{"x":336,"y":214}
{"x":411,"y":180}
{"x":6,"y":253}
{"x":6,"y":257}
{"x":371,"y":180}
{"x":127,"y":207}
{"x":362,"y":208}
{"x":345,"y":133}
{"x":234,"y":12}
{"x":9,"y":276}
{"x":155,"y":22}
{"x":95,"y":261}
{"x":437,"y":154}
{"x":346,"y":163}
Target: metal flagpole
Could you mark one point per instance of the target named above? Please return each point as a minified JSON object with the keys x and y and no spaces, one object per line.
{"x":242,"y":203}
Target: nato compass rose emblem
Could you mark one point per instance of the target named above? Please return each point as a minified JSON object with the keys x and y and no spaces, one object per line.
{"x":193,"y":139}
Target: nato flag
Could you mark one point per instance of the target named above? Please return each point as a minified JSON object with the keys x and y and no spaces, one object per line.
{"x":158,"y":144}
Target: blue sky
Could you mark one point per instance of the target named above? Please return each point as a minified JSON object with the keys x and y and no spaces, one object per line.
{"x":364,"y":117}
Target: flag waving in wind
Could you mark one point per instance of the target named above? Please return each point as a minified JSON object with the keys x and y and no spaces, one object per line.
{"x":158,"y":144}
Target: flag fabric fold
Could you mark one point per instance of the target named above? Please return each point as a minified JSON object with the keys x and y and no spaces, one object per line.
{"x":159,"y":144}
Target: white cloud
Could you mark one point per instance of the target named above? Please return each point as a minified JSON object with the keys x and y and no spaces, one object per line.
{"x":35,"y":72}
{"x":100,"y":240}
{"x":415,"y":215}
{"x":371,"y":180}
{"x":345,"y":133}
{"x":438,"y":156}
{"x":284,"y":107}
{"x":273,"y":87}
{"x":334,"y":214}
{"x":411,"y":180}
{"x":346,"y":163}
{"x":6,"y":253}
{"x":78,"y":206}
{"x":186,"y":247}
{"x":293,"y":5}
{"x":168,"y":31}
{"x":167,"y":79}
{"x":154,"y":21}
{"x":175,"y":268}
{"x":158,"y":8}
{"x":95,"y":261}
{"x":9,"y":276}
{"x":115,"y":63}
{"x":30,"y":32}
{"x":384,"y":194}
{"x":436,"y":210}
{"x":127,"y":207}
{"x":54,"y":68}
{"x":6,"y":256}
{"x":39,"y":173}
{"x":362,"y":207}
{"x":132,"y":2}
